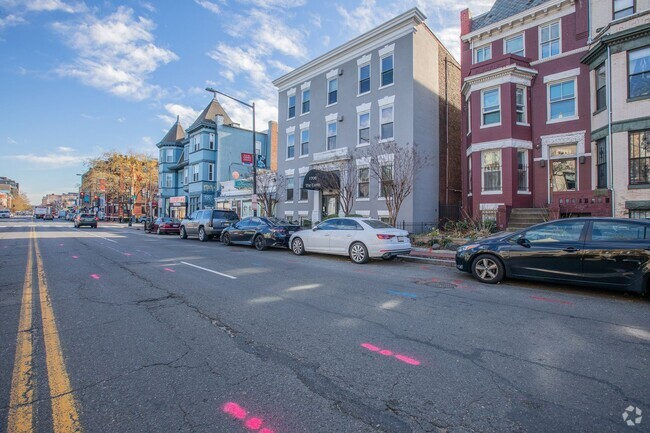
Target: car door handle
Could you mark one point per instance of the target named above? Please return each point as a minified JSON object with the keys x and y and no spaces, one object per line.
{"x":571,"y":250}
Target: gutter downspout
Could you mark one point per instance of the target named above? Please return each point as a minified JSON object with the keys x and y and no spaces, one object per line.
{"x":589,"y":21}
{"x":447,"y":135}
{"x":610,"y":144}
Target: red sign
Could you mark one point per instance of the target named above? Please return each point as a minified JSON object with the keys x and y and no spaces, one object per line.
{"x":247,"y":158}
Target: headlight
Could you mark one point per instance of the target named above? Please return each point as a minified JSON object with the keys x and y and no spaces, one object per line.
{"x":467,"y":247}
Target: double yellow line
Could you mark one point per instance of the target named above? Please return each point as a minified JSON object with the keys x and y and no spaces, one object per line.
{"x":65,"y":412}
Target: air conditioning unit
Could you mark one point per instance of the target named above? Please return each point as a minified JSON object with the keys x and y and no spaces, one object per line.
{"x":341,"y":118}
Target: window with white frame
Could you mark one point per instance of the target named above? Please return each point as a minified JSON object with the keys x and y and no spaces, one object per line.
{"x":387,"y":70}
{"x":304,"y":142}
{"x":197,"y":142}
{"x":290,"y":187}
{"x":515,"y":45}
{"x":332,"y":91}
{"x":491,"y":107}
{"x":623,"y":8}
{"x":482,"y":53}
{"x":186,"y":176}
{"x":386,"y":114}
{"x":211,"y":172}
{"x":306,"y":95}
{"x":601,"y":87}
{"x":491,"y":170}
{"x":304,"y":193}
{"x":522,"y":170}
{"x":364,"y":128}
{"x":364,"y":78}
{"x":562,"y":100}
{"x":291,"y":145}
{"x":386,"y":180}
{"x":520,"y":103}
{"x":291,"y":101}
{"x":469,"y":116}
{"x":169,"y":155}
{"x":195,"y":173}
{"x":331,"y":135}
{"x":212,"y":140}
{"x":363,"y":182}
{"x":550,"y":43}
{"x":638,"y":71}
{"x":168,"y":180}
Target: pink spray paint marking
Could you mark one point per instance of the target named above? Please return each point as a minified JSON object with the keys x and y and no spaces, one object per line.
{"x":75,"y":257}
{"x":95,"y":276}
{"x":169,"y":270}
{"x":251,"y":423}
{"x":60,"y":245}
{"x":554,"y":301}
{"x":386,"y":352}
{"x":128,"y":254}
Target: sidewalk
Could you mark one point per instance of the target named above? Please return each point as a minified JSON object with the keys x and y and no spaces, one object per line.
{"x":438,"y":257}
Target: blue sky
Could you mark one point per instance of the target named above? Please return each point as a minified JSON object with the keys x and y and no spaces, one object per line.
{"x":81,"y":77}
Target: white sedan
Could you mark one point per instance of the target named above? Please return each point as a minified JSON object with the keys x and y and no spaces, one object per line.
{"x":359,"y":238}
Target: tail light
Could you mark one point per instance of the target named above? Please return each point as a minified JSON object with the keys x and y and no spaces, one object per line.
{"x":96,"y":219}
{"x":385,"y":236}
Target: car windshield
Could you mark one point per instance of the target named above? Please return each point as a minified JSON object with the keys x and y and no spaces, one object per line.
{"x":87,"y":215}
{"x":169,"y":220}
{"x":376,"y":224}
{"x":279,"y":222}
{"x":224,"y":215}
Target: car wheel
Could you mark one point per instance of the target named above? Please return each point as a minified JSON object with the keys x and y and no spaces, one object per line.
{"x":183,"y":233}
{"x":202,"y":236}
{"x":225,"y":239}
{"x":359,"y":253}
{"x":488,"y":269}
{"x":298,"y":247}
{"x":259,"y":242}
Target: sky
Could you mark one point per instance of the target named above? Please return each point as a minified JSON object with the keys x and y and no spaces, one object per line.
{"x":81,"y":77}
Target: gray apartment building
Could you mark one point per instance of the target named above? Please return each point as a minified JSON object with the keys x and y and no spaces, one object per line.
{"x":395,"y":83}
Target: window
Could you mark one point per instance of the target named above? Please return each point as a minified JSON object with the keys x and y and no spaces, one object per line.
{"x":562,"y":100}
{"x":515,"y":45}
{"x":363,"y":182}
{"x":290,"y":189}
{"x":549,"y":40}
{"x":640,"y":214}
{"x":211,"y":172}
{"x":304,"y":142}
{"x":617,"y":231}
{"x":563,"y":167}
{"x":387,"y":70}
{"x":169,"y":155}
{"x":291,"y":145}
{"x":491,"y":167}
{"x":520,"y":102}
{"x":364,"y":79}
{"x":332,"y":91}
{"x":482,"y":53}
{"x":186,"y":175}
{"x":623,"y":8}
{"x":386,"y":181}
{"x":638,"y":71}
{"x":331,"y":135}
{"x":197,"y":142}
{"x":491,"y":105}
{"x":469,"y":174}
{"x":168,"y":180}
{"x":601,"y":87}
{"x":364,"y":128}
{"x":303,"y":192}
{"x":386,"y":120}
{"x":522,"y":170}
{"x":640,"y":157}
{"x":601,"y":163}
{"x":558,"y":231}
{"x":292,"y":107}
{"x":211,"y":141}
{"x":195,"y":173}
{"x":306,"y":94}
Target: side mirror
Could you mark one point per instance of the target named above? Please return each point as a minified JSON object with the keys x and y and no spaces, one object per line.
{"x":315,"y":229}
{"x":524,"y":242}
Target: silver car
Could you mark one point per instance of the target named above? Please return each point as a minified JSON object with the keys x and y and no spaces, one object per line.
{"x":207,"y":224}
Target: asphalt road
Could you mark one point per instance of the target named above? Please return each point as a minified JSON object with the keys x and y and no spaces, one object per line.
{"x":158,"y":334}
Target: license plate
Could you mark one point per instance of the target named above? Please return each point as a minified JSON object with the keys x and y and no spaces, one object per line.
{"x":174,"y":225}
{"x":400,"y":238}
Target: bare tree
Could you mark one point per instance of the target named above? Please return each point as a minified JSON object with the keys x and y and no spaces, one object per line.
{"x":395,"y":167}
{"x":270,"y":190}
{"x":347,"y":185}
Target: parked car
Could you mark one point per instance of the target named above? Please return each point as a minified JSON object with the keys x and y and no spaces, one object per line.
{"x":144,"y":218}
{"x":4,"y":213}
{"x":359,"y":238}
{"x":262,"y":232}
{"x":85,"y":219}
{"x":48,"y":216}
{"x":605,"y":252}
{"x":164,"y":225}
{"x":207,"y":223}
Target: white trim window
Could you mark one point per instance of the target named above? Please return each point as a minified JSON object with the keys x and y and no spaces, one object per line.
{"x":212,"y":141}
{"x":186,"y":176}
{"x":169,"y":155}
{"x":387,"y":66}
{"x":197,"y":142}
{"x":491,"y":171}
{"x":291,"y":145}
{"x":291,"y":107}
{"x":386,"y":122}
{"x":305,"y":107}
{"x":168,"y":180}
{"x":332,"y":91}
{"x":469,"y":116}
{"x":363,"y":128}
{"x":514,"y":45}
{"x":550,"y":41}
{"x":331,"y":135}
{"x":623,"y":8}
{"x":522,"y":170}
{"x":290,"y":188}
{"x":520,"y":106}
{"x":364,"y":79}
{"x":491,"y":107}
{"x":304,"y":193}
{"x":363,"y":182}
{"x":195,"y":173}
{"x":386,"y":179}
{"x":304,"y":142}
{"x":210,"y":172}
{"x":483,"y":53}
{"x":562,"y":100}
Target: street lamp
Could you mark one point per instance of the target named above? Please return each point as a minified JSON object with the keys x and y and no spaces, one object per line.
{"x":79,"y":191}
{"x":252,"y":106}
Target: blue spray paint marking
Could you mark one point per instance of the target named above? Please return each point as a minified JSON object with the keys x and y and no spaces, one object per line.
{"x":403,"y":294}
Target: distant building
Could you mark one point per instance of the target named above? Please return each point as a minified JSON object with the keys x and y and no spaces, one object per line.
{"x":63,"y":200}
{"x":9,"y":190}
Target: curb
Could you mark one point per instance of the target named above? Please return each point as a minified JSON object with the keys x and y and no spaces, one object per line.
{"x":439,"y":262}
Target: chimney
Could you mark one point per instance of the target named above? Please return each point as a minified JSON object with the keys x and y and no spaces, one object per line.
{"x":465,"y":22}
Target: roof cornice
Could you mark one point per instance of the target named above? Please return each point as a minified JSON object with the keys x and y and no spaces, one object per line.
{"x":505,"y":71}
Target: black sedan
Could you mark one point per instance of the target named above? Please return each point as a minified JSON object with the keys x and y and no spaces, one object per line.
{"x":605,"y":252}
{"x":262,"y":232}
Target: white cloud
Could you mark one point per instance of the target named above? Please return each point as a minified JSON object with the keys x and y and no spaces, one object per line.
{"x":65,"y":149}
{"x":121,"y":119}
{"x":187,"y":115}
{"x":11,"y":20}
{"x":267,"y":4}
{"x":280,"y":66}
{"x":148,"y":6}
{"x":44,"y":5}
{"x":147,"y":140}
{"x":366,"y":16}
{"x":11,"y":140}
{"x":205,"y":4}
{"x":50,"y":160}
{"x":116,"y":53}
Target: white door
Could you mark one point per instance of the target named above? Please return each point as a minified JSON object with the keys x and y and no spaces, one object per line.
{"x":346,"y":232}
{"x":319,"y":239}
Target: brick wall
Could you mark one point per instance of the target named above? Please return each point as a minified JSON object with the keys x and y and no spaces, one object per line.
{"x":450,"y":128}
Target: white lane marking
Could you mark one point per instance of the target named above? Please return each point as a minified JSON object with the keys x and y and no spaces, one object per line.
{"x":97,"y":236}
{"x":210,"y":270}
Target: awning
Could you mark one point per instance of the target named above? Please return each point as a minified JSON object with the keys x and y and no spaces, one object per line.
{"x":319,"y":180}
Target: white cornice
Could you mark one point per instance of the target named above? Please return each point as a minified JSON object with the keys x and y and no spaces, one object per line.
{"x":499,"y":144}
{"x":506,"y":74}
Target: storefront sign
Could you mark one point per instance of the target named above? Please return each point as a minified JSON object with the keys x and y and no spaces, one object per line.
{"x":247,"y":158}
{"x":320,"y":180}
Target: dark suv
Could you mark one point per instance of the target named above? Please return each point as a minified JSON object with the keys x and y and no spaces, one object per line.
{"x":207,"y":223}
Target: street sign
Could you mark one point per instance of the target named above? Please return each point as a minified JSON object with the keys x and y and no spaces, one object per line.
{"x":247,"y":158}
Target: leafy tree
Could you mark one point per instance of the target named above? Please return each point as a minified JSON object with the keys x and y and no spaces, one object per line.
{"x":21,"y":203}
